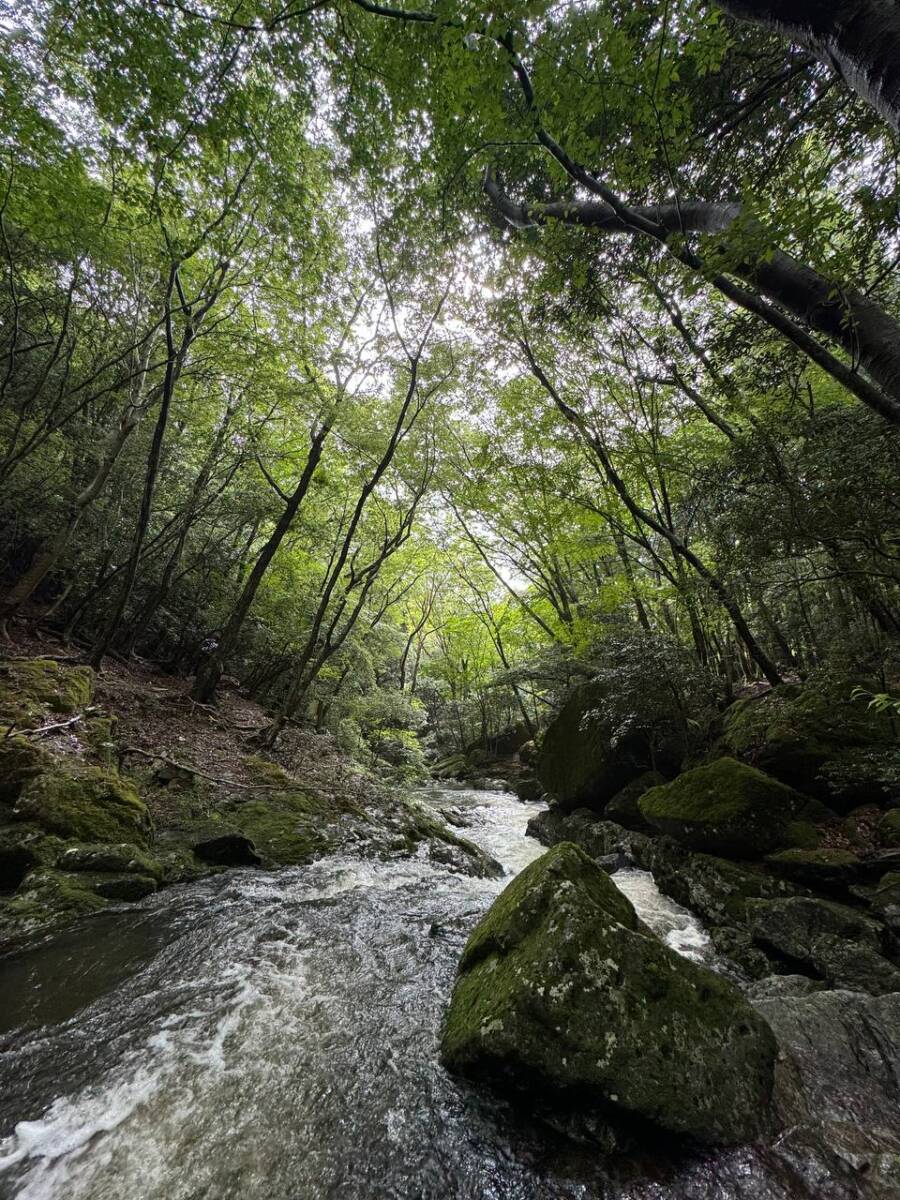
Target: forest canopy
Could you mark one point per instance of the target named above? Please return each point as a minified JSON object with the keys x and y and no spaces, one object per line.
{"x":408,"y":364}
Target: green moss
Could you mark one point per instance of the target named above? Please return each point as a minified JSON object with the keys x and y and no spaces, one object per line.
{"x":725,"y":808}
{"x":801,"y":835}
{"x":562,"y":994}
{"x":287,"y":828}
{"x":32,"y":687}
{"x":116,"y":858}
{"x":889,"y":829}
{"x":46,"y":901}
{"x":268,"y":772}
{"x":795,"y":729}
{"x":817,"y":868}
{"x":20,"y":760}
{"x":94,"y":805}
{"x":516,"y":912}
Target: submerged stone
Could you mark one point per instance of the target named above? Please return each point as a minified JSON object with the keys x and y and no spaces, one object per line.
{"x":562,"y":991}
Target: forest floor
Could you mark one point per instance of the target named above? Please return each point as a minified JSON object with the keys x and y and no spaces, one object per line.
{"x":157,"y":721}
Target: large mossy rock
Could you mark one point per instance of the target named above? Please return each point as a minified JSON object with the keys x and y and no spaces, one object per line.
{"x":817,"y":739}
{"x":624,"y":808}
{"x":578,"y":762}
{"x":563,"y":993}
{"x":91,"y":804}
{"x":726,"y":808}
{"x":32,"y":687}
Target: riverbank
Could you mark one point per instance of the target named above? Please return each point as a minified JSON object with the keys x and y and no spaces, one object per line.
{"x":117,"y":786}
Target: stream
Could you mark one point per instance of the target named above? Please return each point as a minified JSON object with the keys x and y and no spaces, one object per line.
{"x":274,"y":1035}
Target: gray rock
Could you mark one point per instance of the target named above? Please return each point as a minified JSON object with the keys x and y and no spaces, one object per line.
{"x":837,"y":1093}
{"x":832,"y":942}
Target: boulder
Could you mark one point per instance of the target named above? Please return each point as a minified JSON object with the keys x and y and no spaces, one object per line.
{"x":824,"y":940}
{"x":563,"y":993}
{"x":714,"y":888}
{"x":579,"y":763}
{"x":624,"y":808}
{"x":120,"y":858}
{"x":31,"y":688}
{"x":598,"y":838}
{"x":528,"y":789}
{"x":814,"y":737}
{"x":889,"y":829}
{"x":827,"y":870}
{"x":228,"y":850}
{"x":125,"y":887}
{"x":90,"y":804}
{"x":20,"y":760}
{"x":725,"y":808}
{"x":527,"y":753}
{"x":837,"y":1096}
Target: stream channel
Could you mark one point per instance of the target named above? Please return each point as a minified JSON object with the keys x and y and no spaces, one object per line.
{"x":274,"y":1035}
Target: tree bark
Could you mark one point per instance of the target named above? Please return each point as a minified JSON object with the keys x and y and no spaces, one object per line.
{"x":860,"y":39}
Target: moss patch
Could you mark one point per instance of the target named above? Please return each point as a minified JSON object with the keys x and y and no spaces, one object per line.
{"x":724,"y":808}
{"x":562,"y":994}
{"x":32,"y":687}
{"x":92,"y":805}
{"x":889,"y":829}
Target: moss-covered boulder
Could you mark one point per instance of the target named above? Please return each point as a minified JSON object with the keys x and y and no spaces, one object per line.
{"x":820,"y":868}
{"x":580,"y":763}
{"x":624,"y":808}
{"x":32,"y":687}
{"x":563,"y":994}
{"x":117,"y":858}
{"x":725,"y":808}
{"x":714,"y":888}
{"x":825,"y":940}
{"x":20,"y":760}
{"x":87,"y":804}
{"x":816,"y":738}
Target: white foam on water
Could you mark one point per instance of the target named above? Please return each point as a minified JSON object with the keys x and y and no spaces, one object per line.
{"x":674,"y":925}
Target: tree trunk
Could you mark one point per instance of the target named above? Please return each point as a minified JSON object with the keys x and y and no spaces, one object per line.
{"x":860,"y":39}
{"x":210,"y":671}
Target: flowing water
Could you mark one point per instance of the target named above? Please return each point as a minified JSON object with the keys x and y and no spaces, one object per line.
{"x":274,"y":1035}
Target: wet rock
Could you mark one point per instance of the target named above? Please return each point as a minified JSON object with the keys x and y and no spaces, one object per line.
{"x":725,"y":808}
{"x":228,"y":850}
{"x":529,"y":789}
{"x":596,"y":837}
{"x":125,"y":887}
{"x":121,"y":858}
{"x":624,"y":808}
{"x":775,"y":986}
{"x":837,"y":1094}
{"x":825,"y":940}
{"x":714,"y":888}
{"x":829,"y":870}
{"x":23,"y":848}
{"x":562,"y":991}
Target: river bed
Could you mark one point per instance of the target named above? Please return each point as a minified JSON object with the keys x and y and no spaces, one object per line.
{"x":274,"y":1035}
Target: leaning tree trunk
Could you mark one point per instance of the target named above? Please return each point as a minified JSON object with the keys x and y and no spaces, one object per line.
{"x":860,"y":39}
